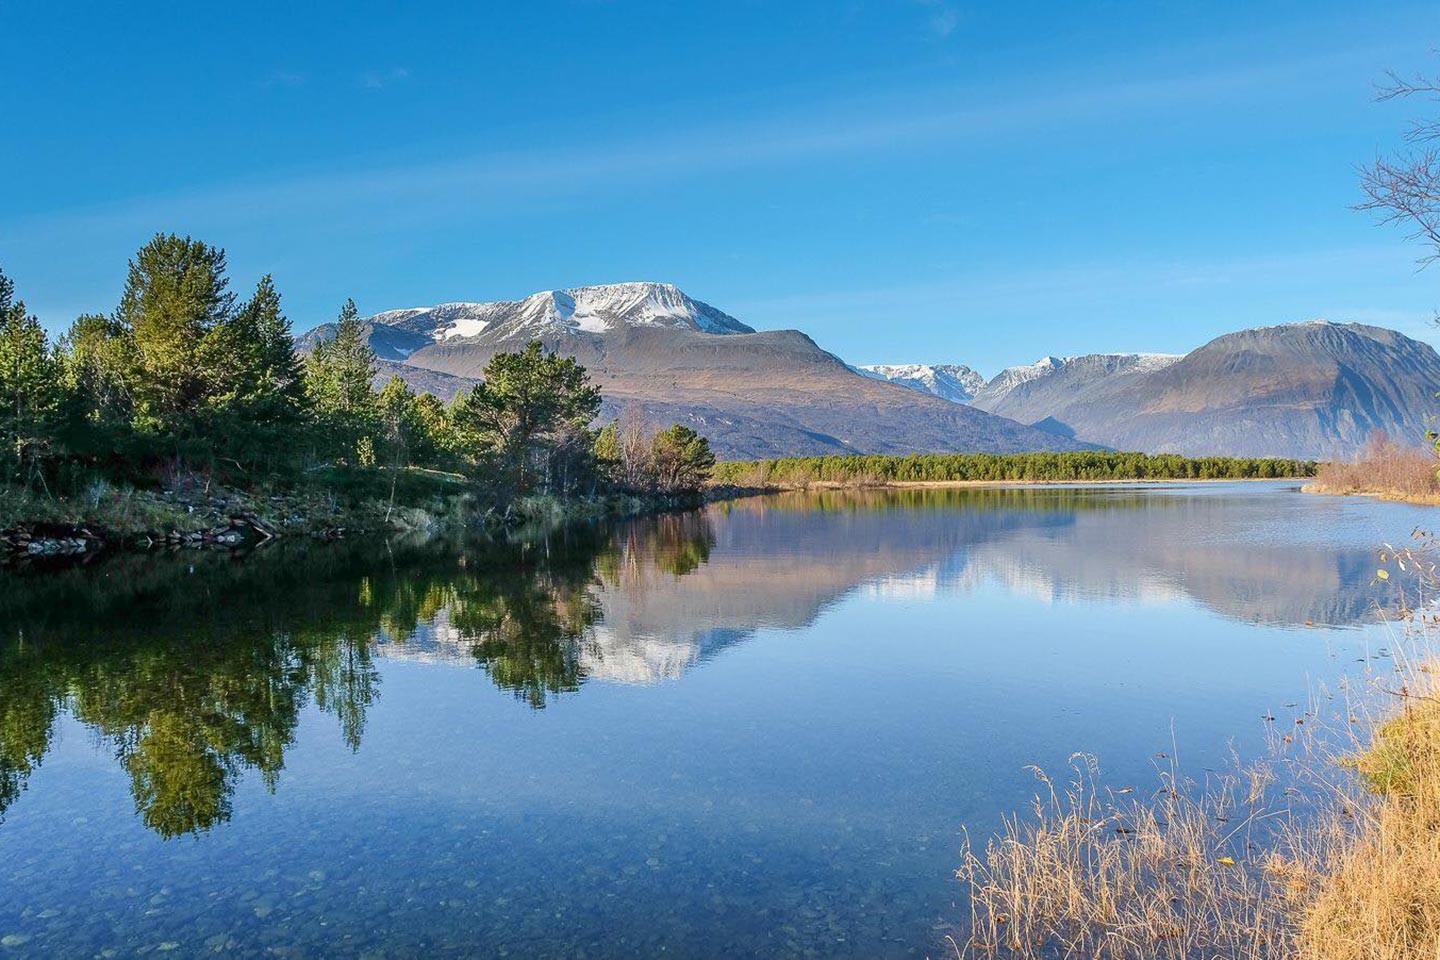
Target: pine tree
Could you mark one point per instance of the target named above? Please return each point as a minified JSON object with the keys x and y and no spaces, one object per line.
{"x":682,"y":460}
{"x":175,"y":297}
{"x":98,"y":364}
{"x":256,"y":398}
{"x":29,"y":387}
{"x":530,"y":419}
{"x":338,"y":381}
{"x":254,"y":353}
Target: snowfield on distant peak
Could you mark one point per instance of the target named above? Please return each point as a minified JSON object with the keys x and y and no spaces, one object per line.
{"x":949,"y":381}
{"x":595,"y":309}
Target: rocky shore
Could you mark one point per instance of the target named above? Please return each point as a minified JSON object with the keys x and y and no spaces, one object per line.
{"x":174,"y":520}
{"x":54,"y":540}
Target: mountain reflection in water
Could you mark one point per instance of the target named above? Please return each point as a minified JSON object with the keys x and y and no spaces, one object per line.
{"x":195,"y":668}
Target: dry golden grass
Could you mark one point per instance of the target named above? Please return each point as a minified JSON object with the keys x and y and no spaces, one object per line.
{"x":1193,"y":871}
{"x":1383,"y":469}
{"x":1328,"y":851}
{"x":1381,"y":898}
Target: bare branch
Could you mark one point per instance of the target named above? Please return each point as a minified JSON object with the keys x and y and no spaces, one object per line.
{"x":1405,"y":189}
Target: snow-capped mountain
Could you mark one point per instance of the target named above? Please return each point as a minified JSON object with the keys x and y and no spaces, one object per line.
{"x":949,"y":381}
{"x":598,"y":309}
{"x":1315,"y":389}
{"x":1079,"y":372}
{"x":673,"y":359}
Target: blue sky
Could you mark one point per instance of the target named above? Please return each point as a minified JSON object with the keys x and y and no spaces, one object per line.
{"x":902,"y":179}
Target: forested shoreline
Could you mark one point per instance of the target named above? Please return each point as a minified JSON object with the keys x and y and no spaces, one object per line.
{"x":187,"y":415}
{"x":1097,"y":465}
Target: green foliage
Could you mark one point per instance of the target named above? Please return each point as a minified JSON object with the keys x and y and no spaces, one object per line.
{"x":178,"y":371}
{"x":950,"y":467}
{"x":338,"y":381}
{"x":400,"y":422}
{"x":436,"y":441}
{"x":415,"y":431}
{"x":182,"y":384}
{"x":607,"y":447}
{"x":176,"y":299}
{"x":681,"y":459}
{"x":97,"y":361}
{"x":257,"y":404}
{"x":29,"y":386}
{"x":529,"y":422}
{"x":675,"y":462}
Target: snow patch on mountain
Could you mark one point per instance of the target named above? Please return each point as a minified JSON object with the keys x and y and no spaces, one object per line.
{"x":465,"y":327}
{"x":1145,"y":362}
{"x":1011,"y":377}
{"x":949,"y":381}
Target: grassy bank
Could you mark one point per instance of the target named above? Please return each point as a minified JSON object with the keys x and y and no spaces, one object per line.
{"x":335,"y":502}
{"x":1329,"y":849}
{"x":1380,"y":899}
{"x":796,"y":472}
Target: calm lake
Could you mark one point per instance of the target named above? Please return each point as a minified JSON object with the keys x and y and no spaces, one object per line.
{"x":758,"y":730}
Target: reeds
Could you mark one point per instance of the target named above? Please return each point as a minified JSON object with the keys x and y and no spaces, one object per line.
{"x":1328,"y":850}
{"x":1190,"y":871}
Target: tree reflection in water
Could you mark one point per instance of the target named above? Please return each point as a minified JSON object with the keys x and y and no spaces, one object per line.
{"x":196,"y":668}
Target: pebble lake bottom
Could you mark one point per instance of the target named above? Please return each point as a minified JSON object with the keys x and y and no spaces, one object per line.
{"x":753,"y":731}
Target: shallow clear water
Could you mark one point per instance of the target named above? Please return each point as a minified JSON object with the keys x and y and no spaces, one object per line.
{"x":754,"y":731}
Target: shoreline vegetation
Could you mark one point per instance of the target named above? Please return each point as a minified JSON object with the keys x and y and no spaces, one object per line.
{"x":186,"y":418}
{"x":1384,"y":470}
{"x":1326,"y":849}
{"x":798,"y":473}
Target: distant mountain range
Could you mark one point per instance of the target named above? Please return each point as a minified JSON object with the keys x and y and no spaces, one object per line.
{"x":650,"y":347}
{"x":1315,"y":389}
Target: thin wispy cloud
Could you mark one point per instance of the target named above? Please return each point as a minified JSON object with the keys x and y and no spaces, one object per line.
{"x":1098,"y":289}
{"x":1132,"y":275}
{"x":283,"y":78}
{"x":814,"y":132}
{"x":379,"y":79}
{"x":943,"y":17}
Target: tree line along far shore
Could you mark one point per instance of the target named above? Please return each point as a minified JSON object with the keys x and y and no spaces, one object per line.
{"x":1088,"y":465}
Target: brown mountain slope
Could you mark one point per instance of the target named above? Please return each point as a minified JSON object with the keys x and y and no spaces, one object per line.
{"x":765,"y":394}
{"x":1314,"y":389}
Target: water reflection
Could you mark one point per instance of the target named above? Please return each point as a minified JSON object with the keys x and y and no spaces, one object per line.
{"x":194,"y":670}
{"x":1256,"y":554}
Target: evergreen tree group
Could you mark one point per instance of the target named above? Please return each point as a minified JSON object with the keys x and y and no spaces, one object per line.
{"x":1077,"y":466}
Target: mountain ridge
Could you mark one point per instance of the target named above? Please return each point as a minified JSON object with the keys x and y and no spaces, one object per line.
{"x":1109,"y":363}
{"x":1313,"y":389}
{"x":652,"y":348}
